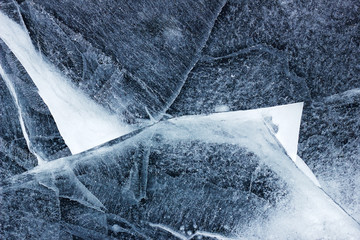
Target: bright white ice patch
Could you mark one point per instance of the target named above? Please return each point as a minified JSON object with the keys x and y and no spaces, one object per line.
{"x":221,"y":108}
{"x":287,"y":118}
{"x":306,"y":170}
{"x":81,"y":122}
{"x":116,"y":228}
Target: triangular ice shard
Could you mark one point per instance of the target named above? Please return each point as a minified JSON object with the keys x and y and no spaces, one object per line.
{"x":82,"y":123}
{"x":37,"y":124}
{"x":287,"y":119}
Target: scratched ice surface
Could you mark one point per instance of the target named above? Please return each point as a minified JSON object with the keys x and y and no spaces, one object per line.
{"x":41,"y":128}
{"x":124,"y":55}
{"x":102,"y":132}
{"x":223,"y":176}
{"x":266,"y":53}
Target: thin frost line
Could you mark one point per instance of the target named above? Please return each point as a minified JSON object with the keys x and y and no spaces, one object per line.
{"x":22,"y":124}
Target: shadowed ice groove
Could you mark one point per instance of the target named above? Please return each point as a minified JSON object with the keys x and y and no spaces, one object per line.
{"x":220,"y":176}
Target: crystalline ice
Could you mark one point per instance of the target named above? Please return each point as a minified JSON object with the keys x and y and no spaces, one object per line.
{"x":44,"y":142}
{"x":124,"y":86}
{"x":21,"y":120}
{"x":306,"y":170}
{"x":29,"y":211}
{"x":76,"y":116}
{"x":285,"y":52}
{"x":14,"y":153}
{"x":226,"y":172}
{"x":124,"y":55}
{"x":287,"y":119}
{"x":330,"y":145}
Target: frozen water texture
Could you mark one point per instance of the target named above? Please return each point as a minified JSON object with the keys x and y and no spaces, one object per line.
{"x":205,"y":171}
{"x":221,"y":108}
{"x":230,"y":175}
{"x":136,"y":60}
{"x":287,"y":119}
{"x":283,"y":53}
{"x":12,"y":91}
{"x":82,"y":123}
{"x":21,"y":101}
{"x":306,"y":170}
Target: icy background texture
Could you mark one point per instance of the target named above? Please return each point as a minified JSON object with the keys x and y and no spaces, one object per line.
{"x":134,"y":119}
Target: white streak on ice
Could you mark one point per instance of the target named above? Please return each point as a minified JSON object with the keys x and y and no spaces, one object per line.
{"x":196,"y":234}
{"x":221,"y":108}
{"x":81,"y":122}
{"x":22,"y":124}
{"x":213,"y":235}
{"x":168,"y":229}
{"x":349,"y":93}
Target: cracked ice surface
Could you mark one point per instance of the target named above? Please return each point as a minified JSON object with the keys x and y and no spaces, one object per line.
{"x":76,"y":115}
{"x":12,"y":91}
{"x":125,"y":55}
{"x":223,"y":176}
{"x":88,"y":72}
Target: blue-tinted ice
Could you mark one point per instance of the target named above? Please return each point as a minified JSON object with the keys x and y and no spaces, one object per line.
{"x":221,"y":176}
